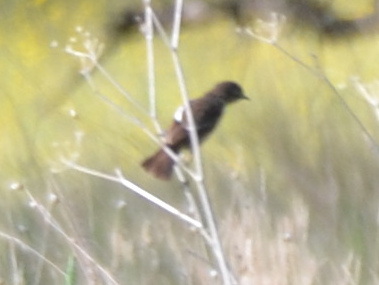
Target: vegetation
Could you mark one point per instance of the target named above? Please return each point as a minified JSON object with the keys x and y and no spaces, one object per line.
{"x":291,"y":175}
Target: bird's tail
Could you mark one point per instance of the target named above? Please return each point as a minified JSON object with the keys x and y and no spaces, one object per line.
{"x":160,"y":165}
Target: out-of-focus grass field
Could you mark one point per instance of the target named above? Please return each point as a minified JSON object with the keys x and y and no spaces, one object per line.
{"x":292,"y":174}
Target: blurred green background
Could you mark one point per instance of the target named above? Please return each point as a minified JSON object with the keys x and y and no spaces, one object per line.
{"x":294,"y":170}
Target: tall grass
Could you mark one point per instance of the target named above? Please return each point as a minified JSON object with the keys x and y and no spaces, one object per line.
{"x":284,"y":193}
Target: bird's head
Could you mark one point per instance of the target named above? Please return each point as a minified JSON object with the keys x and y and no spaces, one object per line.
{"x":229,"y":91}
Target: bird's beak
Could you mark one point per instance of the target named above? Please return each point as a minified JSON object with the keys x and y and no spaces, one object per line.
{"x":245,"y":97}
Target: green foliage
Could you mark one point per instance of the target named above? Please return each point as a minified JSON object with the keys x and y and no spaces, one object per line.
{"x":71,"y":271}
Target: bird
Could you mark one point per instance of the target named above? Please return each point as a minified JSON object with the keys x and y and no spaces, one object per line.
{"x":206,"y":111}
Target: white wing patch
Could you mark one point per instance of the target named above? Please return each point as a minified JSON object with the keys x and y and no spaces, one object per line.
{"x":179,"y":114}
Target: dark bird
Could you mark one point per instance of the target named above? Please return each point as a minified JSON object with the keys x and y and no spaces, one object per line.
{"x":206,"y":111}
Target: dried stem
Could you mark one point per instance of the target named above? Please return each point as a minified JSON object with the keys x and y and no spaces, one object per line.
{"x":195,"y":147}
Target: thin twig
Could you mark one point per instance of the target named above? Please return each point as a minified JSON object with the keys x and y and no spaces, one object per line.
{"x":274,"y":28}
{"x":158,"y":201}
{"x":55,"y":225}
{"x":195,"y":147}
{"x":118,"y":86}
{"x":139,"y":124}
{"x":26,"y":247}
{"x":119,"y":178}
{"x":212,"y":238}
{"x":149,"y":38}
{"x":320,"y":73}
{"x":160,"y":30}
{"x":191,"y":127}
{"x":175,"y":36}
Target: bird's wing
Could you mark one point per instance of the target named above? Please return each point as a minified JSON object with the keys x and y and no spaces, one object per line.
{"x":176,"y":136}
{"x":205,"y":116}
